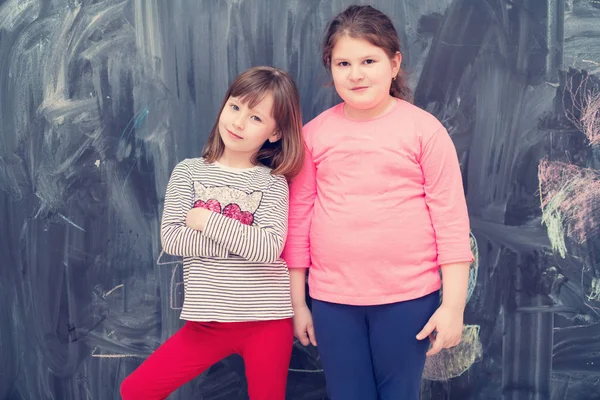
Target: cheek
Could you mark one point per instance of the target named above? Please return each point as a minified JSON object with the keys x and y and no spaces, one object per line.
{"x":386,"y":72}
{"x":226,"y":115}
{"x":256,"y":136}
{"x":337,"y":76}
{"x":266,"y":135}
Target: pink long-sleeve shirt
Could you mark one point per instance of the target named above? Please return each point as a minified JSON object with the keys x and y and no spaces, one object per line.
{"x":378,"y":207}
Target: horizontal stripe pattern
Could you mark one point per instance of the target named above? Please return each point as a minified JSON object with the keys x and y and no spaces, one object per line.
{"x":232,"y":272}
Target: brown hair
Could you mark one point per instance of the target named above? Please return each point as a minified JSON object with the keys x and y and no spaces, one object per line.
{"x":370,"y":24}
{"x":286,"y":156}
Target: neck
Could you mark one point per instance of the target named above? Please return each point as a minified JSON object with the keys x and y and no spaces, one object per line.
{"x":235,"y":160}
{"x":383,"y":107}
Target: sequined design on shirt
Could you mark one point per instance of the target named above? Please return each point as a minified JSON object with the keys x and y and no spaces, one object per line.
{"x":230,"y":202}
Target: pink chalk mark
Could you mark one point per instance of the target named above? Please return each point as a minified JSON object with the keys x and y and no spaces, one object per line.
{"x":572,"y":193}
{"x":585,"y":100}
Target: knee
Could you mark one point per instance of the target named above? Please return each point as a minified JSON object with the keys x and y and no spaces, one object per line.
{"x":129,"y":389}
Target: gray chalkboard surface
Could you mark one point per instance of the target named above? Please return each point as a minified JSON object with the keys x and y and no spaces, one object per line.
{"x":100,"y":99}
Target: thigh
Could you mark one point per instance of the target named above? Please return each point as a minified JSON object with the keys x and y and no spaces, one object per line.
{"x":181,"y":358}
{"x":343,"y":342}
{"x":398,"y":357}
{"x":266,"y":351}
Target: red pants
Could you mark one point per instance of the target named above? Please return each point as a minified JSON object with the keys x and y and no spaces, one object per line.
{"x":265,"y":346}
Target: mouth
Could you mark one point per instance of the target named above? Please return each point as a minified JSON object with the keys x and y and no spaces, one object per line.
{"x":359,"y":88}
{"x":233,"y":135}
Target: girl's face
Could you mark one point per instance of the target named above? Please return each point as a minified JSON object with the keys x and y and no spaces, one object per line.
{"x":244,"y":130}
{"x":362,"y":75}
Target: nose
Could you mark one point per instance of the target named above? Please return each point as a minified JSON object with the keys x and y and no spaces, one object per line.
{"x":238,"y":122}
{"x":356,"y":74}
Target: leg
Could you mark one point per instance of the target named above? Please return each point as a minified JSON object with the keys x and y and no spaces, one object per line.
{"x":343,"y":340}
{"x":267,"y":350}
{"x":398,"y":357}
{"x":185,"y":355}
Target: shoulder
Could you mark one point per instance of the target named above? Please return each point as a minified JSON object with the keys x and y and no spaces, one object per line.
{"x":271,"y":182}
{"x":194,"y":169}
{"x":273,"y":188}
{"x":189,"y":165}
{"x":181,"y":170}
{"x":421,"y":122}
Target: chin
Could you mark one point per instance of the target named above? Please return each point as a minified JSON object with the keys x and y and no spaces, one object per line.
{"x":361,"y":105}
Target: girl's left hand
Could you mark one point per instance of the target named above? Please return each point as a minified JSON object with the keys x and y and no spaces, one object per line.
{"x":444,"y":329}
{"x":197,"y":218}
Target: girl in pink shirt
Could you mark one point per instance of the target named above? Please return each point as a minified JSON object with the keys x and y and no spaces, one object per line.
{"x":376,"y":212}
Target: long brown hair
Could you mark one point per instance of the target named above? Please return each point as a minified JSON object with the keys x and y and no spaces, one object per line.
{"x":370,"y":24}
{"x":286,"y":156}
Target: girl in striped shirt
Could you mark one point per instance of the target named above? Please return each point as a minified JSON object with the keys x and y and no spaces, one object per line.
{"x":226,"y":215}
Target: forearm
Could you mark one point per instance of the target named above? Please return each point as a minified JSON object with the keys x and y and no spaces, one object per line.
{"x":176,"y":238}
{"x":185,"y":242}
{"x":249,"y":242}
{"x":455,"y":283}
{"x":297,"y":286}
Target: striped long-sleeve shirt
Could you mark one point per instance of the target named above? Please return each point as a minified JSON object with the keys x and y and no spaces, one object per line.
{"x":232,"y":271}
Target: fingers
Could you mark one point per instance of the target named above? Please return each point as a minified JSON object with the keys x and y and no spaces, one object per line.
{"x":426,"y":331}
{"x":451,"y":340}
{"x":436,"y":345}
{"x":303,"y":337}
{"x":311,"y":334}
{"x":305,"y":333}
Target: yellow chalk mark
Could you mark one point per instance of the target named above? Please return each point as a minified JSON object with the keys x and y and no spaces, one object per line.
{"x":453,"y":362}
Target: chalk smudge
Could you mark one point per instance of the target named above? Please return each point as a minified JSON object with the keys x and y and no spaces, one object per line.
{"x":474,"y":268}
{"x":594,"y":294}
{"x":453,"y":362}
{"x":581,"y":101}
{"x":569,"y":201}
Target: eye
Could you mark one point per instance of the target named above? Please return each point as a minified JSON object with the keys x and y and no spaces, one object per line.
{"x":343,"y":64}
{"x":234,"y":107}
{"x":255,"y":118}
{"x":369,"y":61}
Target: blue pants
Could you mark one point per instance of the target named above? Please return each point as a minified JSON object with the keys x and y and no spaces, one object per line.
{"x":370,"y":352}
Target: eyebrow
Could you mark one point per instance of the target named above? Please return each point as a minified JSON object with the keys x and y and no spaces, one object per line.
{"x":257,"y":112}
{"x":345,"y":59}
{"x":254,"y":110}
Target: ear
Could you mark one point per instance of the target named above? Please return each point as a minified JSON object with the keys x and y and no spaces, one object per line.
{"x":275,"y":137}
{"x":396,"y":62}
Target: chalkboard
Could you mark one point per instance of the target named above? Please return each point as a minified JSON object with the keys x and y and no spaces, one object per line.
{"x":100,"y":99}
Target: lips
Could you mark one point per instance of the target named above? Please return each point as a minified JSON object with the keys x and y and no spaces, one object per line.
{"x":359,"y":88}
{"x":235,"y":136}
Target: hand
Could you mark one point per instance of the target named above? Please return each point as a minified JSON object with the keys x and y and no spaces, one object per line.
{"x":197,"y":218}
{"x":303,"y":325}
{"x":444,"y":329}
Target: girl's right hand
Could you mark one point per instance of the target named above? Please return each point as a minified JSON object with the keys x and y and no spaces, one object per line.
{"x":303,"y":325}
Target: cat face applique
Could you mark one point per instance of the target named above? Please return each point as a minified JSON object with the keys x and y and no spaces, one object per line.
{"x":230,"y":202}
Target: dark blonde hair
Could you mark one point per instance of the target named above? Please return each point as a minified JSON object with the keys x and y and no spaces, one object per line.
{"x":286,"y":156}
{"x":370,"y":24}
